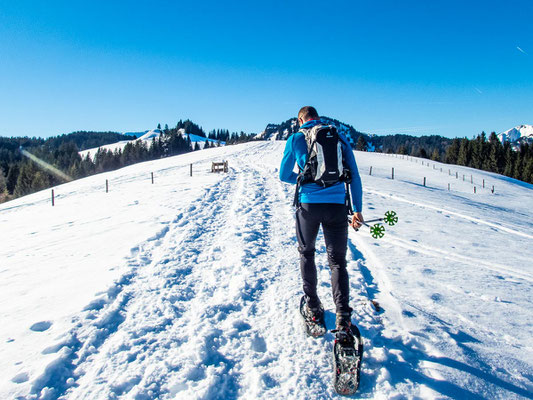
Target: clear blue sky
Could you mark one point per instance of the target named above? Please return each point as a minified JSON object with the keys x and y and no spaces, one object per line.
{"x":452,"y":68}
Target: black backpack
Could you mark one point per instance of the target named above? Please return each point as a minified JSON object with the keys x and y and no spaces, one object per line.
{"x":325,"y":164}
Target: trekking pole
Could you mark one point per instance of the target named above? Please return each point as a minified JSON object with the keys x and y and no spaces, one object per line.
{"x":367,"y":221}
{"x":374,"y":220}
{"x":377,"y":231}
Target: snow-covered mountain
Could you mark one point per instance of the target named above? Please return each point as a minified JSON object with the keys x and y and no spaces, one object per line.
{"x":279,"y":131}
{"x":517,"y":134}
{"x":283,"y":130}
{"x":188,"y":288}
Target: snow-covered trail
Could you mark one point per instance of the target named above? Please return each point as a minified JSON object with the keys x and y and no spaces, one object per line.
{"x":209,"y":308}
{"x":206,"y":305}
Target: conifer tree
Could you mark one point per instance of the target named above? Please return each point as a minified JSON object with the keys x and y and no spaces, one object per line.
{"x":518,"y":165}
{"x":361,"y":144}
{"x":496,"y":157}
{"x":12,"y":176}
{"x":509,"y":160}
{"x":464,"y":153}
{"x":3,"y":187}
{"x":24,"y":180}
{"x":40,"y":181}
{"x":452,"y":152}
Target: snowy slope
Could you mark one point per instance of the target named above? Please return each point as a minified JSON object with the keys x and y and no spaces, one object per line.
{"x":146,"y":137}
{"x":189,"y":288}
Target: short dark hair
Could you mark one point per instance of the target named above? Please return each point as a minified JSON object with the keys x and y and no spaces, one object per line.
{"x":307,"y":113}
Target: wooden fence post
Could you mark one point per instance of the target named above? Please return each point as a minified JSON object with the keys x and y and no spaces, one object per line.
{"x":106,"y":186}
{"x":448,"y":187}
{"x":483,"y":183}
{"x":53,"y":201}
{"x":492,"y":188}
{"x":191,"y":169}
{"x":370,"y":171}
{"x":152,"y":178}
{"x":474,"y":189}
{"x":424,"y":181}
{"x":392,"y":172}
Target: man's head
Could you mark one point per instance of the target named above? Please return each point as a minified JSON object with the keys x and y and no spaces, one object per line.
{"x":307,"y":113}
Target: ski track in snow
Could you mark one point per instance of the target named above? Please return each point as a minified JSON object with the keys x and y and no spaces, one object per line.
{"x":476,"y":262}
{"x":500,"y":226}
{"x":209,"y":310}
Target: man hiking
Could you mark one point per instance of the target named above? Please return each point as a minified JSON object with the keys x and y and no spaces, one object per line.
{"x":323,"y":201}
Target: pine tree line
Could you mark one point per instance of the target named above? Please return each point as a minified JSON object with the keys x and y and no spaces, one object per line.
{"x":489,"y":155}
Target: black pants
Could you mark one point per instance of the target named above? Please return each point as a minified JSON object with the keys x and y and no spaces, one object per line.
{"x":334,"y":221}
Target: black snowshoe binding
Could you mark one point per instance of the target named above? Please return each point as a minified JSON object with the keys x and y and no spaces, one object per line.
{"x":315,"y":325}
{"x":347,"y":358}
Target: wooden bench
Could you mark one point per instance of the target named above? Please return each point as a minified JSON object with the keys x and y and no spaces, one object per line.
{"x":219,"y":166}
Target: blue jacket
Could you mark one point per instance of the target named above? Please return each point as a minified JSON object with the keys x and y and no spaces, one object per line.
{"x":296,"y":152}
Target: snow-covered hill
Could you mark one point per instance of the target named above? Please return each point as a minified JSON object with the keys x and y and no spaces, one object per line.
{"x":188,"y":288}
{"x":517,"y":133}
{"x":147,"y":138}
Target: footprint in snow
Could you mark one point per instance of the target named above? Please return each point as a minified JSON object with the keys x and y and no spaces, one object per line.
{"x":258,"y":344}
{"x":20,"y":378}
{"x":436,"y":297}
{"x":41,"y":326}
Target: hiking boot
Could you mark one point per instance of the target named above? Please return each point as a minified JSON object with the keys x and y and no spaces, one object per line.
{"x":343,"y":321}
{"x":315,"y":314}
{"x":344,"y":336}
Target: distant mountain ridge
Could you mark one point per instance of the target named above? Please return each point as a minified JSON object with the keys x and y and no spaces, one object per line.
{"x":517,"y":135}
{"x":285,"y":129}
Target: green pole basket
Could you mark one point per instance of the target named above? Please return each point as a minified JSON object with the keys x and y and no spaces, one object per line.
{"x":391,"y":218}
{"x":377,"y":231}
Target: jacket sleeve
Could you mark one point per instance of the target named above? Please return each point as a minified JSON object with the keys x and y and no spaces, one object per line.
{"x":356,"y":187}
{"x":286,"y":173}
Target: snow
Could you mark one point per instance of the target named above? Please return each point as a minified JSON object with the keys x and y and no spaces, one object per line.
{"x":153,"y":134}
{"x":189,"y":288}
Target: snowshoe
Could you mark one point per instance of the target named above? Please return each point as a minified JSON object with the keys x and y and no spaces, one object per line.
{"x":315,"y":325}
{"x":347,"y":358}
